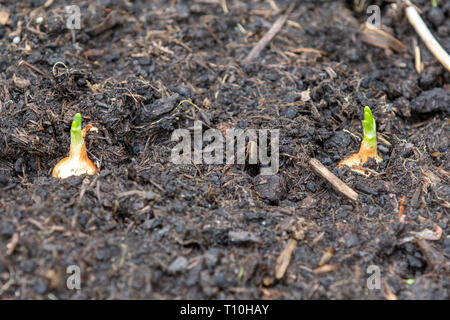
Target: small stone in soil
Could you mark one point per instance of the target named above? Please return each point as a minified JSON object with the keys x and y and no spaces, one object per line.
{"x":414,"y":262}
{"x":3,"y":180}
{"x":447,"y":246}
{"x":429,"y":77}
{"x":350,"y":240}
{"x":436,"y":16}
{"x":184,"y":91}
{"x":290,"y":112}
{"x":6,"y":229}
{"x":243,"y":236}
{"x":220,"y":280}
{"x":178,"y":265}
{"x":343,"y":214}
{"x":145,"y":61}
{"x":40,"y":287}
{"x":340,"y":139}
{"x":192,"y":276}
{"x":29,"y":266}
{"x":432,"y":100}
{"x":211,"y":257}
{"x":311,"y":186}
{"x":270,"y":187}
{"x":158,"y":108}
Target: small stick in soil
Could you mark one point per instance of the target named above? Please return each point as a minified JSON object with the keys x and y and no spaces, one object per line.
{"x":417,"y":58}
{"x":401,"y":209}
{"x":426,"y":36}
{"x":273,"y":5}
{"x":274,"y":29}
{"x":36,"y":69}
{"x":284,"y":259}
{"x":325,"y":268}
{"x":337,"y":183}
{"x":11,"y":246}
{"x":223,"y":3}
{"x":74,"y":36}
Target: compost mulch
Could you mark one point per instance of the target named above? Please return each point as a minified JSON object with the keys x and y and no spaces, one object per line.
{"x":146,"y":228}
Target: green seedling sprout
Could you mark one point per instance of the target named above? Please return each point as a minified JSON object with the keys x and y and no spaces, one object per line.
{"x":368,"y":149}
{"x":77,"y":162}
{"x":76,"y":140}
{"x":369,"y":128}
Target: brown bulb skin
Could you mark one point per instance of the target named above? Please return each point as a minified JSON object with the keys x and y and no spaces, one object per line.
{"x":77,"y":163}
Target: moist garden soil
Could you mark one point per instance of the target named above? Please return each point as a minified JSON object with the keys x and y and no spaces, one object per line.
{"x":146,"y":228}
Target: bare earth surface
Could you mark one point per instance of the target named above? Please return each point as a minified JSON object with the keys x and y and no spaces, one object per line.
{"x":146,"y":228}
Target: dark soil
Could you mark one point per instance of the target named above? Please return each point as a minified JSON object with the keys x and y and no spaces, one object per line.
{"x":147,"y":228}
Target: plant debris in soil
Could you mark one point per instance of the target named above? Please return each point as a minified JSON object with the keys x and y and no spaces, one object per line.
{"x":146,"y":228}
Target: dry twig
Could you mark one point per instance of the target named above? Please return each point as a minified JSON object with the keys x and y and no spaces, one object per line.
{"x":426,"y":36}
{"x":284,"y":259}
{"x":276,"y":27}
{"x":337,"y":183}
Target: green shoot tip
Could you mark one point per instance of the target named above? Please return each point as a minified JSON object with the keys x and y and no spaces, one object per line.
{"x":75,"y":131}
{"x":76,"y":121}
{"x":369,"y":126}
